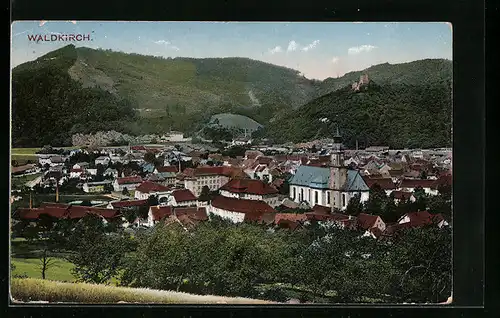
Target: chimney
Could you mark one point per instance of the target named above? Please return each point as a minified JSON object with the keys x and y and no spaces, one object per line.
{"x":57,"y":190}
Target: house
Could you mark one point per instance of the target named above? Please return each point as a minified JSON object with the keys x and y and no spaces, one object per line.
{"x":91,"y":171}
{"x":416,"y":219}
{"x":111,"y":173}
{"x":167,"y":173}
{"x":373,"y":225}
{"x":24,"y":169}
{"x":409,"y":185}
{"x":314,"y":186}
{"x":148,"y":188}
{"x":76,"y":173}
{"x":182,"y":197}
{"x":130,"y":183}
{"x":102,"y":160}
{"x":236,"y":209}
{"x":250,"y":190}
{"x":158,"y":213}
{"x":126,"y":204}
{"x":212,"y":177}
{"x":81,"y":165}
{"x":50,"y":159}
{"x":403,"y":196}
{"x":385,"y":184}
{"x":92,"y":187}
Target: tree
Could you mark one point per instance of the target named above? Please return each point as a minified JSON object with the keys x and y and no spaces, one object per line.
{"x":423,"y":175}
{"x":422,"y":261}
{"x":390,"y":213}
{"x":205,"y":194}
{"x":46,"y":261}
{"x":125,"y":191}
{"x":149,"y":157}
{"x":376,"y":200}
{"x":153,"y":200}
{"x":108,"y":188}
{"x":354,"y":207}
{"x":97,"y":255}
{"x":420,"y":203}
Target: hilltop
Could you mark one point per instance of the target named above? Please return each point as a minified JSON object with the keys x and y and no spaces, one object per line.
{"x":81,"y":90}
{"x":396,"y":115}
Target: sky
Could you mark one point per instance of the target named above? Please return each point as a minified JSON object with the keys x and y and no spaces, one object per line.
{"x":317,"y":49}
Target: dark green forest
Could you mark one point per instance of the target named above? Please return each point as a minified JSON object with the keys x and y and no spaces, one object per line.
{"x":48,"y":106}
{"x":396,"y":115}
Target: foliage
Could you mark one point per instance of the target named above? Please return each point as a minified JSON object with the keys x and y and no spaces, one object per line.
{"x":354,"y":207}
{"x":396,"y":115}
{"x":97,"y":254}
{"x":234,"y":151}
{"x":376,"y":200}
{"x":44,"y":100}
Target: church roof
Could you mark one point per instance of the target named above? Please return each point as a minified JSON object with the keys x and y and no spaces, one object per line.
{"x":319,"y":178}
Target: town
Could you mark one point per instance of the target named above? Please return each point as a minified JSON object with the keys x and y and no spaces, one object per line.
{"x":278,"y":186}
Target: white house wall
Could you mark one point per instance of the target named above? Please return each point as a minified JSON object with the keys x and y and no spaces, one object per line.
{"x":235,"y":217}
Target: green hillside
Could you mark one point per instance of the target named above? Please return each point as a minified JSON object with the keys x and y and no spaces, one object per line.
{"x":419,"y":72}
{"x":81,"y":90}
{"x":397,"y":115}
{"x":48,"y":106}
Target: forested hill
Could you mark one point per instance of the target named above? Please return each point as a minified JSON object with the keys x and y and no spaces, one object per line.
{"x":48,"y":106}
{"x":82,"y":90}
{"x":397,"y":115}
{"x":428,"y":71}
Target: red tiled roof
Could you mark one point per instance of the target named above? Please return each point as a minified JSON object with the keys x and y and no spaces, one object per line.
{"x":264,"y":160}
{"x":78,"y":212}
{"x":148,"y":187}
{"x":22,"y":168}
{"x":367,"y":221}
{"x":138,"y":148}
{"x":54,"y":204}
{"x":55,"y":212}
{"x":249,"y":186}
{"x":129,"y":180}
{"x":284,"y":223}
{"x":409,"y":183}
{"x":129,"y":203}
{"x":295,"y":217}
{"x":266,"y":218}
{"x":76,"y":170}
{"x":168,"y":169}
{"x":401,"y":195}
{"x":159,"y":212}
{"x":241,"y":205}
{"x":195,"y":213}
{"x":384,"y":183}
{"x":419,"y":218}
{"x":322,"y":209}
{"x":183,"y":195}
{"x":28,"y":214}
{"x":278,"y":182}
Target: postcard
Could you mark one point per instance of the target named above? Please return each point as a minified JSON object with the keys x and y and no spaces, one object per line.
{"x":231,"y":163}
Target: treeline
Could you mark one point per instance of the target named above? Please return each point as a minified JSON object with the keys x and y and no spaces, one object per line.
{"x":398,"y":116}
{"x":48,"y":106}
{"x":315,"y":264}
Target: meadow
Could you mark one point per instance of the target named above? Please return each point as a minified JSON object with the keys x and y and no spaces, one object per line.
{"x":29,"y":289}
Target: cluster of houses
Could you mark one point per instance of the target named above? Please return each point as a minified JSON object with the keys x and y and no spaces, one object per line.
{"x":257,"y":187}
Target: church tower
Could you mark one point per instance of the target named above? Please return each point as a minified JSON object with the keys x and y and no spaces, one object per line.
{"x":338,"y":173}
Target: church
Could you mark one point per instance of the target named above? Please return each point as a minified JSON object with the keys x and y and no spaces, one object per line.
{"x":331,"y":186}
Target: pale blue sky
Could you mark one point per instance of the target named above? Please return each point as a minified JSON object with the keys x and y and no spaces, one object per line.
{"x":317,"y":49}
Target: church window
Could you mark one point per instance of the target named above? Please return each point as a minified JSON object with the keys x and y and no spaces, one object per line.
{"x":316,"y":197}
{"x":328,"y":197}
{"x":343,"y":199}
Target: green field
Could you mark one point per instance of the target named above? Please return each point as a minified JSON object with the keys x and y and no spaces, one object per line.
{"x":24,"y":258}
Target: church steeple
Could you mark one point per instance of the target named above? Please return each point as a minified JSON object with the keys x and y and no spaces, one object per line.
{"x":337,"y":151}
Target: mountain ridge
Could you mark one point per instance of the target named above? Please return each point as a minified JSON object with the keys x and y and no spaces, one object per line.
{"x":158,"y":94}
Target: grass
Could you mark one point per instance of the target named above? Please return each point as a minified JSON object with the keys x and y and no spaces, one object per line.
{"x":29,"y":289}
{"x":61,"y":271}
